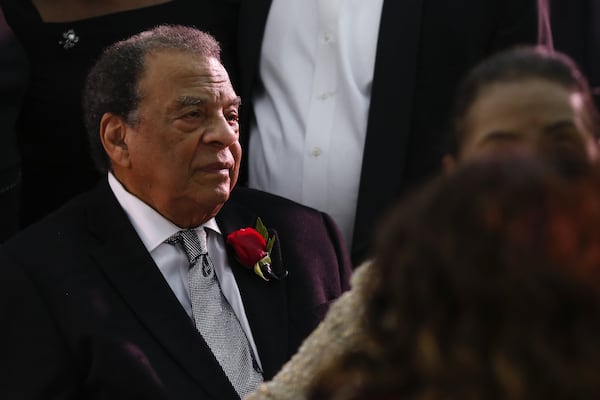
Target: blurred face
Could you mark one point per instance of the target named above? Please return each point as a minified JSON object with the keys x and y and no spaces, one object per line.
{"x":184,"y":153}
{"x":531,"y":116}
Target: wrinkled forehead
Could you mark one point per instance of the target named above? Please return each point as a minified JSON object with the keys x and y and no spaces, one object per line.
{"x":217,"y":76}
{"x":524,"y":102}
{"x":178,"y":60}
{"x":176,"y":70}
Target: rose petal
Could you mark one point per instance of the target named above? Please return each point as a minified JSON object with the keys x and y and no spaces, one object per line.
{"x":249,"y":246}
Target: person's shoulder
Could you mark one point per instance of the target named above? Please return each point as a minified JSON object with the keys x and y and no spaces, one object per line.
{"x":253,"y":197}
{"x":282,"y":213}
{"x":62,"y":224}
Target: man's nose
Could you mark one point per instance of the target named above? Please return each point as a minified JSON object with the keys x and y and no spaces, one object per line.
{"x":221,"y":132}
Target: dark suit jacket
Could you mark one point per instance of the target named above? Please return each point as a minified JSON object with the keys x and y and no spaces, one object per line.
{"x":85,"y":313}
{"x":424,"y":49}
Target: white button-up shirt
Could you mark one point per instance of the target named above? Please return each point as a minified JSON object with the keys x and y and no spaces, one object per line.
{"x":316,"y":66}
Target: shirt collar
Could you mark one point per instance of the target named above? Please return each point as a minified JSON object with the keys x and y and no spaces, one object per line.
{"x":152,"y":228}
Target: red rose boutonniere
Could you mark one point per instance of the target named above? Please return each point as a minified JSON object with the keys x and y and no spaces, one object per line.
{"x":253,"y":250}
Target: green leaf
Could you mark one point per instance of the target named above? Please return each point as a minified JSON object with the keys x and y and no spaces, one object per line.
{"x":262,"y":229}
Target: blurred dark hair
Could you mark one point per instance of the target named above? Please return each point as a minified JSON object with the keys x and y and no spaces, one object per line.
{"x":516,"y":65}
{"x":486,"y":285}
{"x":112,"y":83}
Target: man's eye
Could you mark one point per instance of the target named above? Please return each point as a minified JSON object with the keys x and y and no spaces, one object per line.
{"x":233,"y":117}
{"x":502,"y":137}
{"x":565,"y":135}
{"x":193,"y":114}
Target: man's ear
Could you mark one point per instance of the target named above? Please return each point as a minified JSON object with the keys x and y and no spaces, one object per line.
{"x":449,"y":163}
{"x":112,"y":134}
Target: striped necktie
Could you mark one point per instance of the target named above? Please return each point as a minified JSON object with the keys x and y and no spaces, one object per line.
{"x":213,"y":316}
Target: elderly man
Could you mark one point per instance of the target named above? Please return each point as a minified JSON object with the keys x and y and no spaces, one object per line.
{"x":153,"y":286}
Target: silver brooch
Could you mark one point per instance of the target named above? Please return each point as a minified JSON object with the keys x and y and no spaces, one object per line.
{"x":70,"y":39}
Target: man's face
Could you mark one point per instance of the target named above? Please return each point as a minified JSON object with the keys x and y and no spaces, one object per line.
{"x":184,"y":151}
{"x":532,"y":116}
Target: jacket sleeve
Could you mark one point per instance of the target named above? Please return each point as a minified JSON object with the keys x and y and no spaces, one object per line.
{"x":343,"y":255}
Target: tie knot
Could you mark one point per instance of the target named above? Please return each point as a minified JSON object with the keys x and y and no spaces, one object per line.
{"x":193,"y":243}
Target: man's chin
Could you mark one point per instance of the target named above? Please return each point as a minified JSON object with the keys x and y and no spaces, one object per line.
{"x":221,"y":194}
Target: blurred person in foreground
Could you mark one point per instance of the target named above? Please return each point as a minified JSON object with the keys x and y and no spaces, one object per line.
{"x":145,"y":287}
{"x":528,"y":101}
{"x":486,"y":285}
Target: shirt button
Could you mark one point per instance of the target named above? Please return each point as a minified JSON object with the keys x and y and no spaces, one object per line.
{"x":316,"y":152}
{"x":327,"y":37}
{"x":325,"y":96}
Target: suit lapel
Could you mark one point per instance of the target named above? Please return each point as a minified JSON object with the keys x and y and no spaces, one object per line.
{"x":390,"y":111}
{"x":126,"y":263}
{"x":265,"y":303}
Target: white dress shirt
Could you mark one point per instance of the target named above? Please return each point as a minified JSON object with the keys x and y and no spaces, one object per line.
{"x":307,"y":140}
{"x":153,"y":229}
